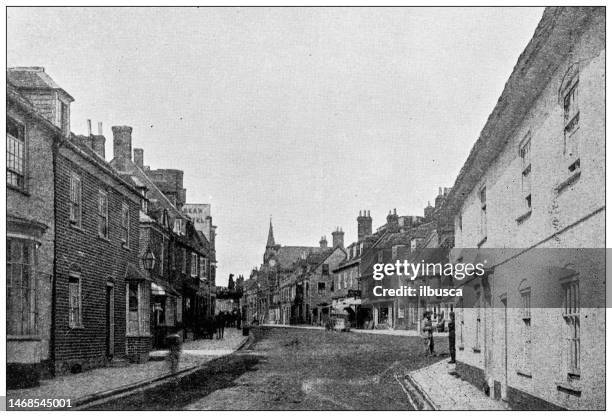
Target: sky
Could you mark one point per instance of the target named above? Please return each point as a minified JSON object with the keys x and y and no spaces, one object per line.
{"x":304,"y":115}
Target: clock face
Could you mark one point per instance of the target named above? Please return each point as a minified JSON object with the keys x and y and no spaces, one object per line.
{"x":271,"y":262}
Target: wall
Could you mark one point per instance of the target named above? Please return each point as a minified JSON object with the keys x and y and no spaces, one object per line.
{"x":568,"y":218}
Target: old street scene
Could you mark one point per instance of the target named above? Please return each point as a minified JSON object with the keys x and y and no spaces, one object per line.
{"x":337,"y":209}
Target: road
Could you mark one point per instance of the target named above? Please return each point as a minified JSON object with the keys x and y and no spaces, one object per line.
{"x":296,"y":369}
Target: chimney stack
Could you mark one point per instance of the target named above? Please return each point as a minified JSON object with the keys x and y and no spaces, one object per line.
{"x":429,"y":210}
{"x":323,"y":242}
{"x":139,"y":157}
{"x":338,"y":238}
{"x":88,"y":127}
{"x":364,"y":225}
{"x":122,"y":142}
{"x":100,"y":129}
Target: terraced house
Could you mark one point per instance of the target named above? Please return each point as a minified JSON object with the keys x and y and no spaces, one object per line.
{"x":529,"y":201}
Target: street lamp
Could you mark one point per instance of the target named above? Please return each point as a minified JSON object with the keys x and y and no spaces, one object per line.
{"x":149,"y":260}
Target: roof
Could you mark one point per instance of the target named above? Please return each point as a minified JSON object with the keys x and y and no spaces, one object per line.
{"x":33,"y":78}
{"x":286,"y":255}
{"x":553,"y":39}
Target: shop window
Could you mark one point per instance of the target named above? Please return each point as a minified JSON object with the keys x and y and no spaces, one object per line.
{"x":137,"y":302}
{"x":22,"y":312}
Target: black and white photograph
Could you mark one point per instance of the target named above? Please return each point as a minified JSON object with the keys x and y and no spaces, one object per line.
{"x":305,"y":208}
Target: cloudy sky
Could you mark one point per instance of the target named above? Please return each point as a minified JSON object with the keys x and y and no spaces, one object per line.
{"x":304,"y":114}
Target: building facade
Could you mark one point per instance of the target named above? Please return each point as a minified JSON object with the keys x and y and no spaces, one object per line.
{"x":529,"y":201}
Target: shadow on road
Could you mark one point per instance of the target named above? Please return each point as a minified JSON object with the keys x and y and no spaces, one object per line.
{"x":215,"y":375}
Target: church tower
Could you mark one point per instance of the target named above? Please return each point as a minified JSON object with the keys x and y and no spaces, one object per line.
{"x":271,"y":246}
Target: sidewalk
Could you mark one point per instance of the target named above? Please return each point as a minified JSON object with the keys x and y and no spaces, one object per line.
{"x":445,"y":391}
{"x":78,"y":387}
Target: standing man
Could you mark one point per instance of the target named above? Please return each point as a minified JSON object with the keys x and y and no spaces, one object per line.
{"x":427,"y":333}
{"x":451,"y":336}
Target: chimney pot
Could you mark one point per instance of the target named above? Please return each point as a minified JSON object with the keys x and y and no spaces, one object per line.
{"x":100,"y":129}
{"x":88,"y":127}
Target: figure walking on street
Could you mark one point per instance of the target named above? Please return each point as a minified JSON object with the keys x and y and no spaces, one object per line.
{"x":451,"y":336}
{"x":174,"y":351}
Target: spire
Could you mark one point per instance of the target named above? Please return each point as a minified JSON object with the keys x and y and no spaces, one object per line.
{"x":270,"y":236}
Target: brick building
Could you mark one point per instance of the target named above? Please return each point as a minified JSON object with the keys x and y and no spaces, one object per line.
{"x":531,"y":332}
{"x":179,"y":259}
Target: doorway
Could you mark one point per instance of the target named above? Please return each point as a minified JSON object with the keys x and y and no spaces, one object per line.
{"x":110,"y":320}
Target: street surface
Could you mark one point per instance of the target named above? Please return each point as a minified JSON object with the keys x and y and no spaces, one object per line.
{"x":300,"y":369}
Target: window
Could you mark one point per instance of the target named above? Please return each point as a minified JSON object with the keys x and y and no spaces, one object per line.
{"x":75,"y":313}
{"x":483,"y":212}
{"x":184,"y":261}
{"x":331,"y":287}
{"x":321,"y":288}
{"x":344,"y":274}
{"x":137,"y":303}
{"x":325,"y":269}
{"x":571,"y":116}
{"x":571,"y":314}
{"x":15,"y":154}
{"x":102,"y":215}
{"x":75,"y":200}
{"x":202,"y":267}
{"x":161,"y":256}
{"x":525,"y":364}
{"x":380,"y":257}
{"x":525,"y":154}
{"x":21,"y":310}
{"x":125,"y":225}
{"x":194,"y":265}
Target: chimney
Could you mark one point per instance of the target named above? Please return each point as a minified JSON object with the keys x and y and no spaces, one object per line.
{"x":440,"y":197}
{"x":364,"y":225}
{"x":393,"y":221}
{"x":139,"y":157}
{"x":429,"y":210}
{"x":122,"y":142}
{"x":323,"y":242}
{"x":88,"y":127}
{"x":98,"y":145}
{"x":100,"y":129}
{"x":338,"y":238}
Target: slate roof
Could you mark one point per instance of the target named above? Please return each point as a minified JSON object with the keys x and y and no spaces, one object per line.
{"x":33,"y":78}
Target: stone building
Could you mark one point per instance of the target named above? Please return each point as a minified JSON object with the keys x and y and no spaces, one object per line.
{"x":319,"y":278}
{"x":531,"y":332}
{"x":31,"y":133}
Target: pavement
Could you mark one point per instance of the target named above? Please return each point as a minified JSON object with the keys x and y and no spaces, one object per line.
{"x":443,"y":389}
{"x":83,"y":386}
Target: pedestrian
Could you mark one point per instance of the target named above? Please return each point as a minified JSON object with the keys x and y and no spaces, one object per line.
{"x":427,"y":333}
{"x":451,"y":336}
{"x":173,"y":341}
{"x":220,"y":325}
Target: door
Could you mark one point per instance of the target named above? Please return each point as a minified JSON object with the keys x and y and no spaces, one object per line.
{"x":504,"y":382}
{"x":110,"y":320}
